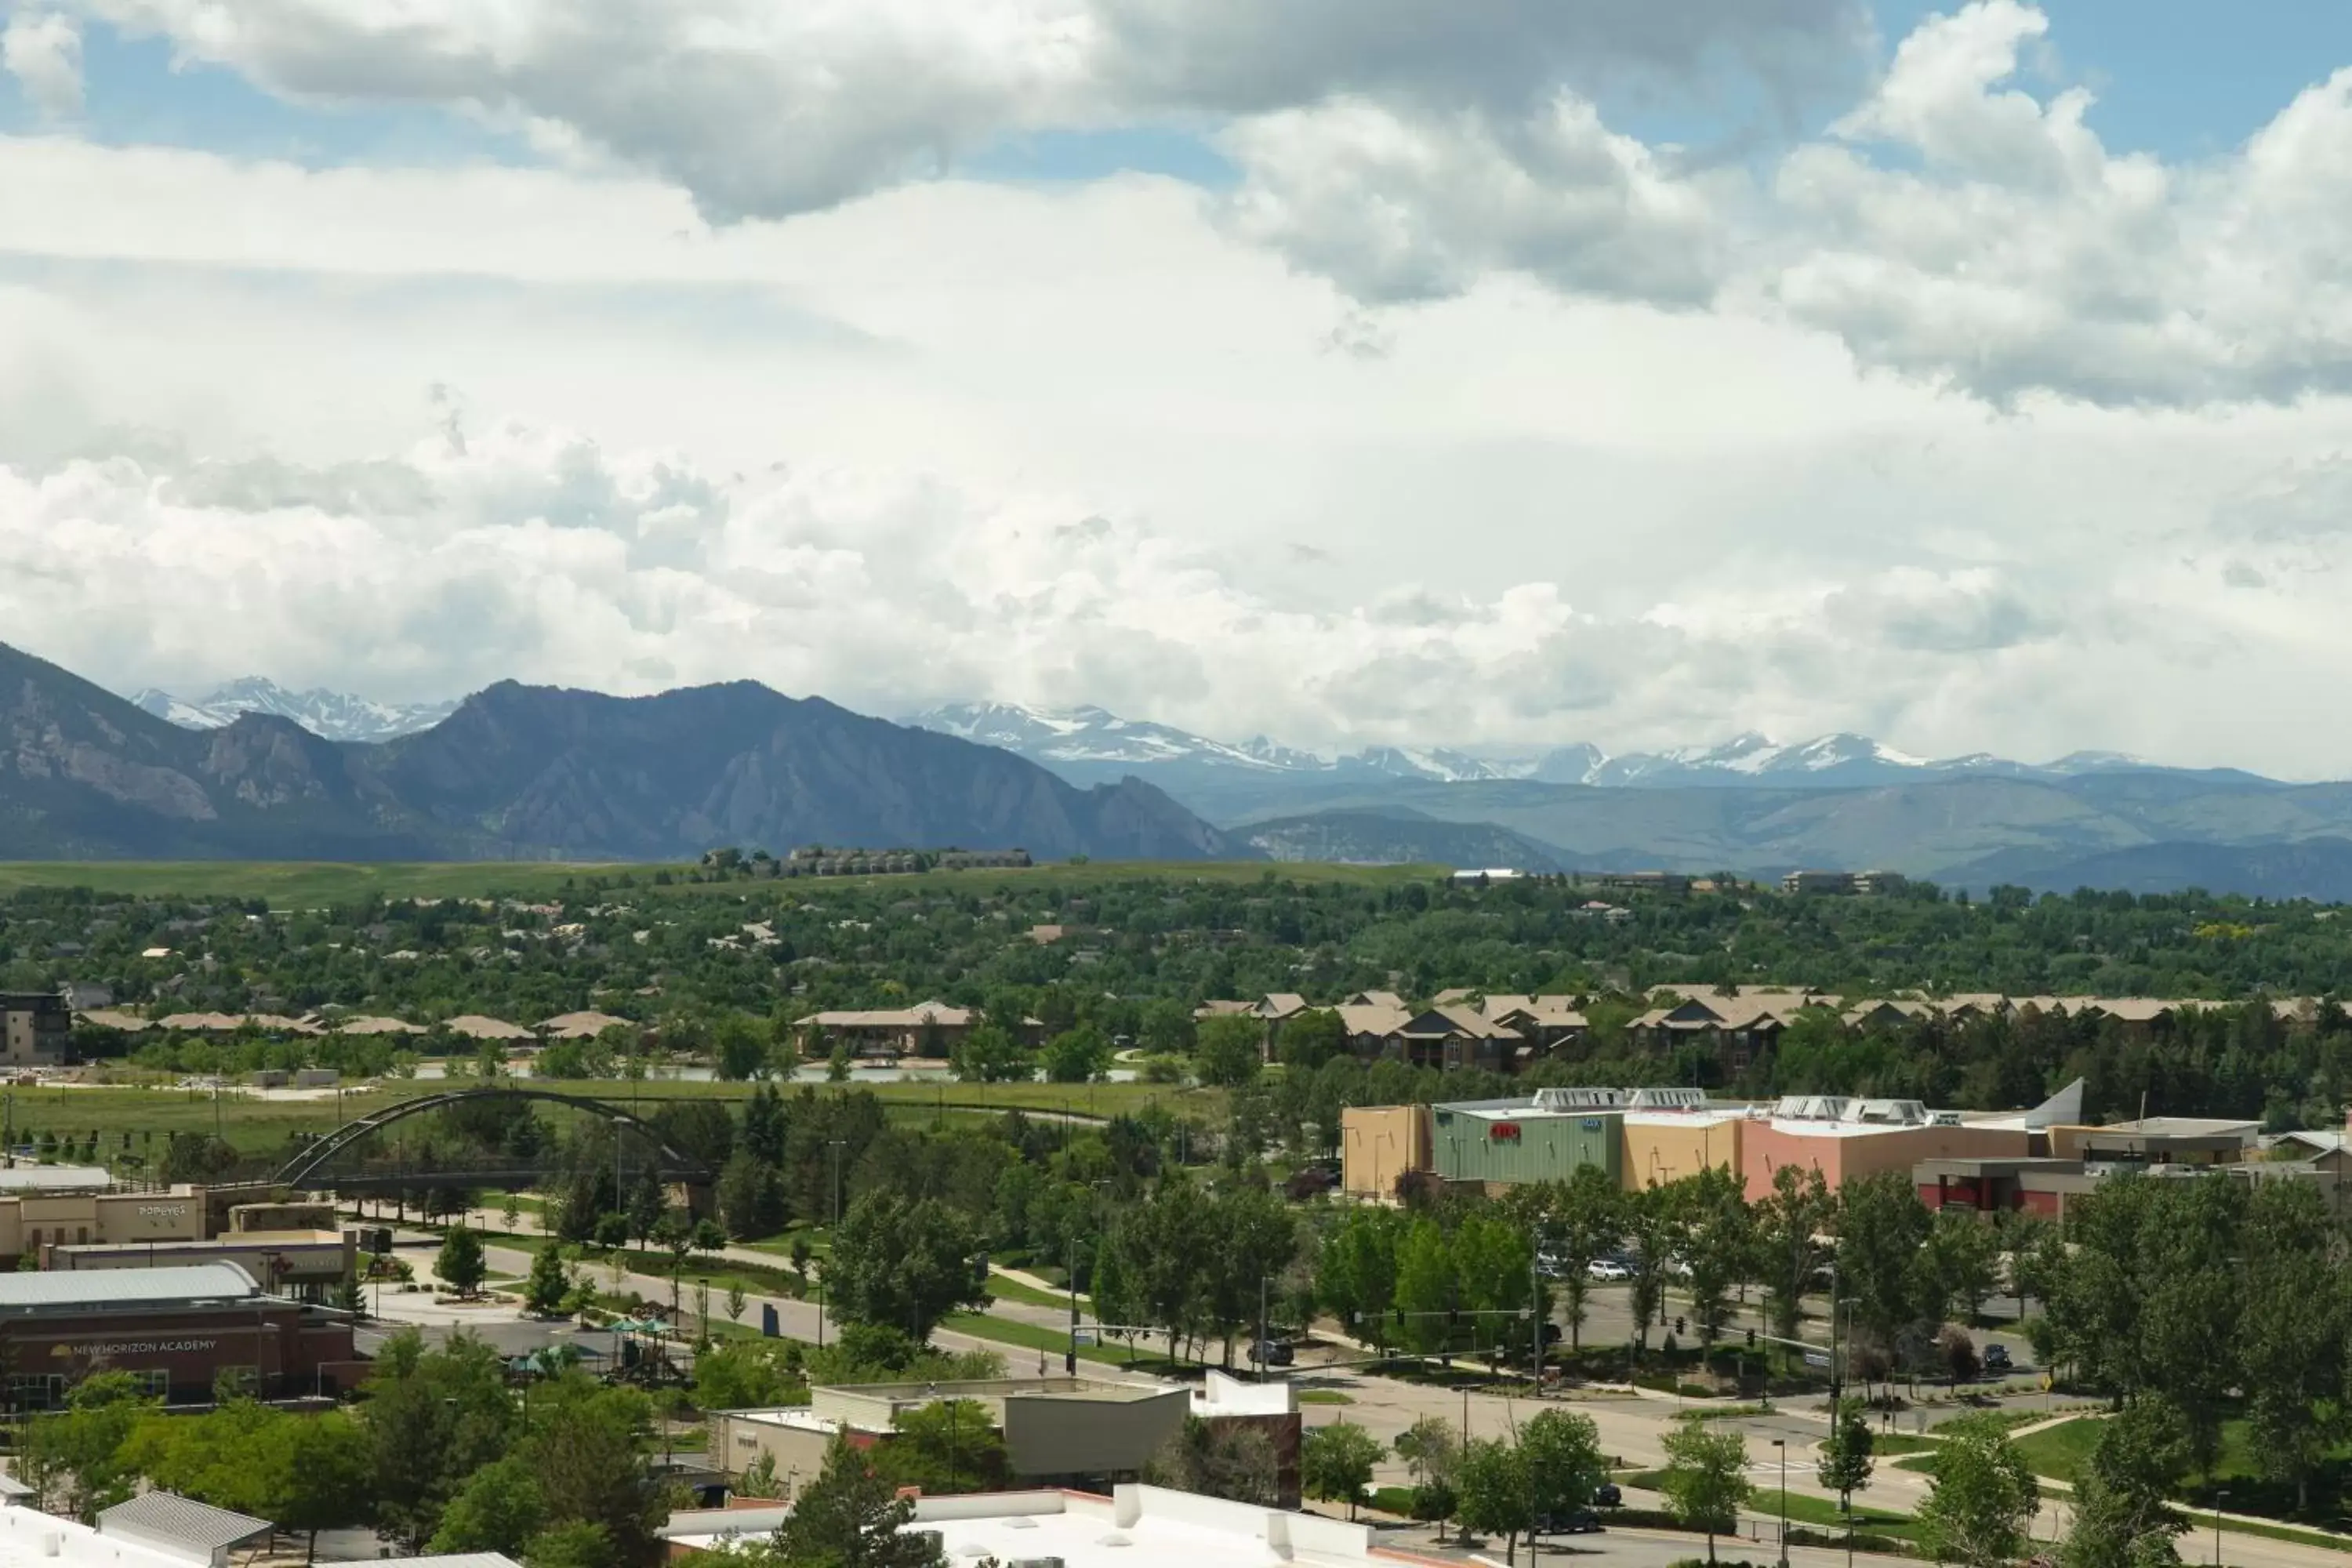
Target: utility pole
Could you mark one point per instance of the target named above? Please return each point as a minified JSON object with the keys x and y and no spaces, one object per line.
{"x":823,"y":1277}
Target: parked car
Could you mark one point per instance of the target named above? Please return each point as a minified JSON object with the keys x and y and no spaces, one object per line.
{"x":1272,"y":1353}
{"x":1608,"y":1271}
{"x":1583,"y":1522}
{"x":1609,"y":1496}
{"x":1996,"y":1358}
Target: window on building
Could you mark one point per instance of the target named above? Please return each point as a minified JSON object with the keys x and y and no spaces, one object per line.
{"x":153,"y":1382}
{"x":35,"y":1391}
{"x":81,"y":1234}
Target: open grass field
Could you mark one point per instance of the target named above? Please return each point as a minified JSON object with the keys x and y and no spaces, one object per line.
{"x":2059,"y":1452}
{"x":317,"y":884}
{"x":253,"y":1124}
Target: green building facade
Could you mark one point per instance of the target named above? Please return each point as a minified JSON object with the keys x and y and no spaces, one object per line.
{"x":1515,"y":1143}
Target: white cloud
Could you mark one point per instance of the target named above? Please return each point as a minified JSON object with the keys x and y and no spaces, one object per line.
{"x":765,"y":110}
{"x":43,"y":51}
{"x":1399,"y":207}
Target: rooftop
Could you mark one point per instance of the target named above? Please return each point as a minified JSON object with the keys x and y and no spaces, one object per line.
{"x":1140,"y":1527}
{"x":32,"y":1540}
{"x":55,"y":1179}
{"x":180,"y":1526}
{"x":92,"y":1289}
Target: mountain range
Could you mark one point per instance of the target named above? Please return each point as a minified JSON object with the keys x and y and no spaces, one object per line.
{"x":335,"y":715}
{"x":535,"y":771}
{"x":1086,"y":746}
{"x":519,"y":771}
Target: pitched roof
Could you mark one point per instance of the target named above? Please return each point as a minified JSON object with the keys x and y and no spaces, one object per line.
{"x":367,"y":1026}
{"x":474,"y":1026}
{"x":1377,"y":999}
{"x":1281,"y":1004}
{"x":580,"y":1025}
{"x":169,"y":1519}
{"x":1361,"y":1020}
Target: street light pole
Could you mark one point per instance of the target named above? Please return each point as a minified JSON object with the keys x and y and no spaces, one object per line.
{"x":2218,"y":1494}
{"x":1782,"y":1444}
{"x":824,"y":1275}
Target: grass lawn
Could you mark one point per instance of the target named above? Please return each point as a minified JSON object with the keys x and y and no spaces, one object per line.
{"x":2058,"y":1452}
{"x":255,"y":1126}
{"x":1325,"y":1396}
{"x":315,"y":884}
{"x":1005,"y":1289}
{"x":1820,"y":1514}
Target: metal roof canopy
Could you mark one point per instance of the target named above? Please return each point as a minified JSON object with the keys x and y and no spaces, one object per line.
{"x":181,"y":1525}
{"x":182,"y":1284}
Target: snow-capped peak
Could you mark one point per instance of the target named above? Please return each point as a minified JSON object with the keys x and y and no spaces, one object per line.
{"x":336,"y":715}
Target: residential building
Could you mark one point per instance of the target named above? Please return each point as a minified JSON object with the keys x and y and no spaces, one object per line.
{"x":36,"y":1029}
{"x":927,"y":1029}
{"x":1823,"y":882}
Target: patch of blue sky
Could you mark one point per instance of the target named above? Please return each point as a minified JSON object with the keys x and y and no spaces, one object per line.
{"x":135,"y":93}
{"x":2180,"y":79}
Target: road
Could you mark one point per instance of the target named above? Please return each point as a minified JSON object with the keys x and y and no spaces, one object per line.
{"x":1633,"y":1429}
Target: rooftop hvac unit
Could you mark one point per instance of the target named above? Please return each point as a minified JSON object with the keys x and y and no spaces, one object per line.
{"x":1036,"y":1563}
{"x":1578,"y":1099}
{"x":1670,"y":1098}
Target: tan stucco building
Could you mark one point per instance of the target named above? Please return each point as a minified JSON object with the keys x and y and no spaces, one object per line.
{"x":1378,"y":1143}
{"x":46,"y":1205}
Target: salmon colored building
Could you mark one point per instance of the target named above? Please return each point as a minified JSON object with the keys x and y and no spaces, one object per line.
{"x":1849,"y":1140}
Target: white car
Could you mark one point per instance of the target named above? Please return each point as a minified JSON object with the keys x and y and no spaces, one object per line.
{"x":1607,"y":1271}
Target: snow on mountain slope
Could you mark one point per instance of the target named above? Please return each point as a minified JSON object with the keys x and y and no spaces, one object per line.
{"x":1094,"y":739}
{"x":336,"y":715}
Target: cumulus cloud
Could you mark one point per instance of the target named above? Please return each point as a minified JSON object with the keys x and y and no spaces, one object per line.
{"x":763,"y":110}
{"x":538,"y":555}
{"x":2006,"y":250}
{"x":43,"y":51}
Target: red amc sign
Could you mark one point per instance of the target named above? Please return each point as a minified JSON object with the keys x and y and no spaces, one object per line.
{"x":1503,"y":1132}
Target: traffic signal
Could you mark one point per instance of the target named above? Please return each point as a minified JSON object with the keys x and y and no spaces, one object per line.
{"x":1678,"y":1325}
{"x":1751,"y":1338}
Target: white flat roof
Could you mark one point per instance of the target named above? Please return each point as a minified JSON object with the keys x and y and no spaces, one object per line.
{"x":1142,"y":1526}
{"x":55,"y":1179}
{"x":33,"y":1540}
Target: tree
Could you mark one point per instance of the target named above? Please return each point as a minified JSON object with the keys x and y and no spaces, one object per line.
{"x":1958,"y":1352}
{"x":75,"y":1456}
{"x":945,"y":1446}
{"x":1880,"y":1233}
{"x":988,"y":1053}
{"x":738,"y":1047}
{"x":1845,"y":1464}
{"x":1336,"y":1462}
{"x":736,"y":1302}
{"x":707,"y":1236}
{"x":581,"y":1544}
{"x":326,"y":1481}
{"x":1960,"y":1266}
{"x":498,"y":1510}
{"x":750,"y":1194}
{"x":1981,"y":1498}
{"x":1226,"y":1051}
{"x":1561,"y":1453}
{"x":903,"y":1264}
{"x":2120,"y":1516}
{"x":589,"y":1452}
{"x":1356,"y":1271}
{"x":461,"y":1265}
{"x":647,"y":1205}
{"x":2291,"y":1335}
{"x":851,"y":1517}
{"x":544,"y":1291}
{"x":743,"y":1374}
{"x":1220,"y":1460}
{"x":1583,"y":1219}
{"x":432,"y":1418}
{"x":1307,"y":1040}
{"x":1077,"y":1056}
{"x":1790,"y":1222}
{"x":1705,"y":1482}
{"x":1721,"y":1231}
{"x":1490,"y":1490}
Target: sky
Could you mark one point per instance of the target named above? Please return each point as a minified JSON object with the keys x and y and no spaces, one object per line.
{"x":1484,"y":373}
